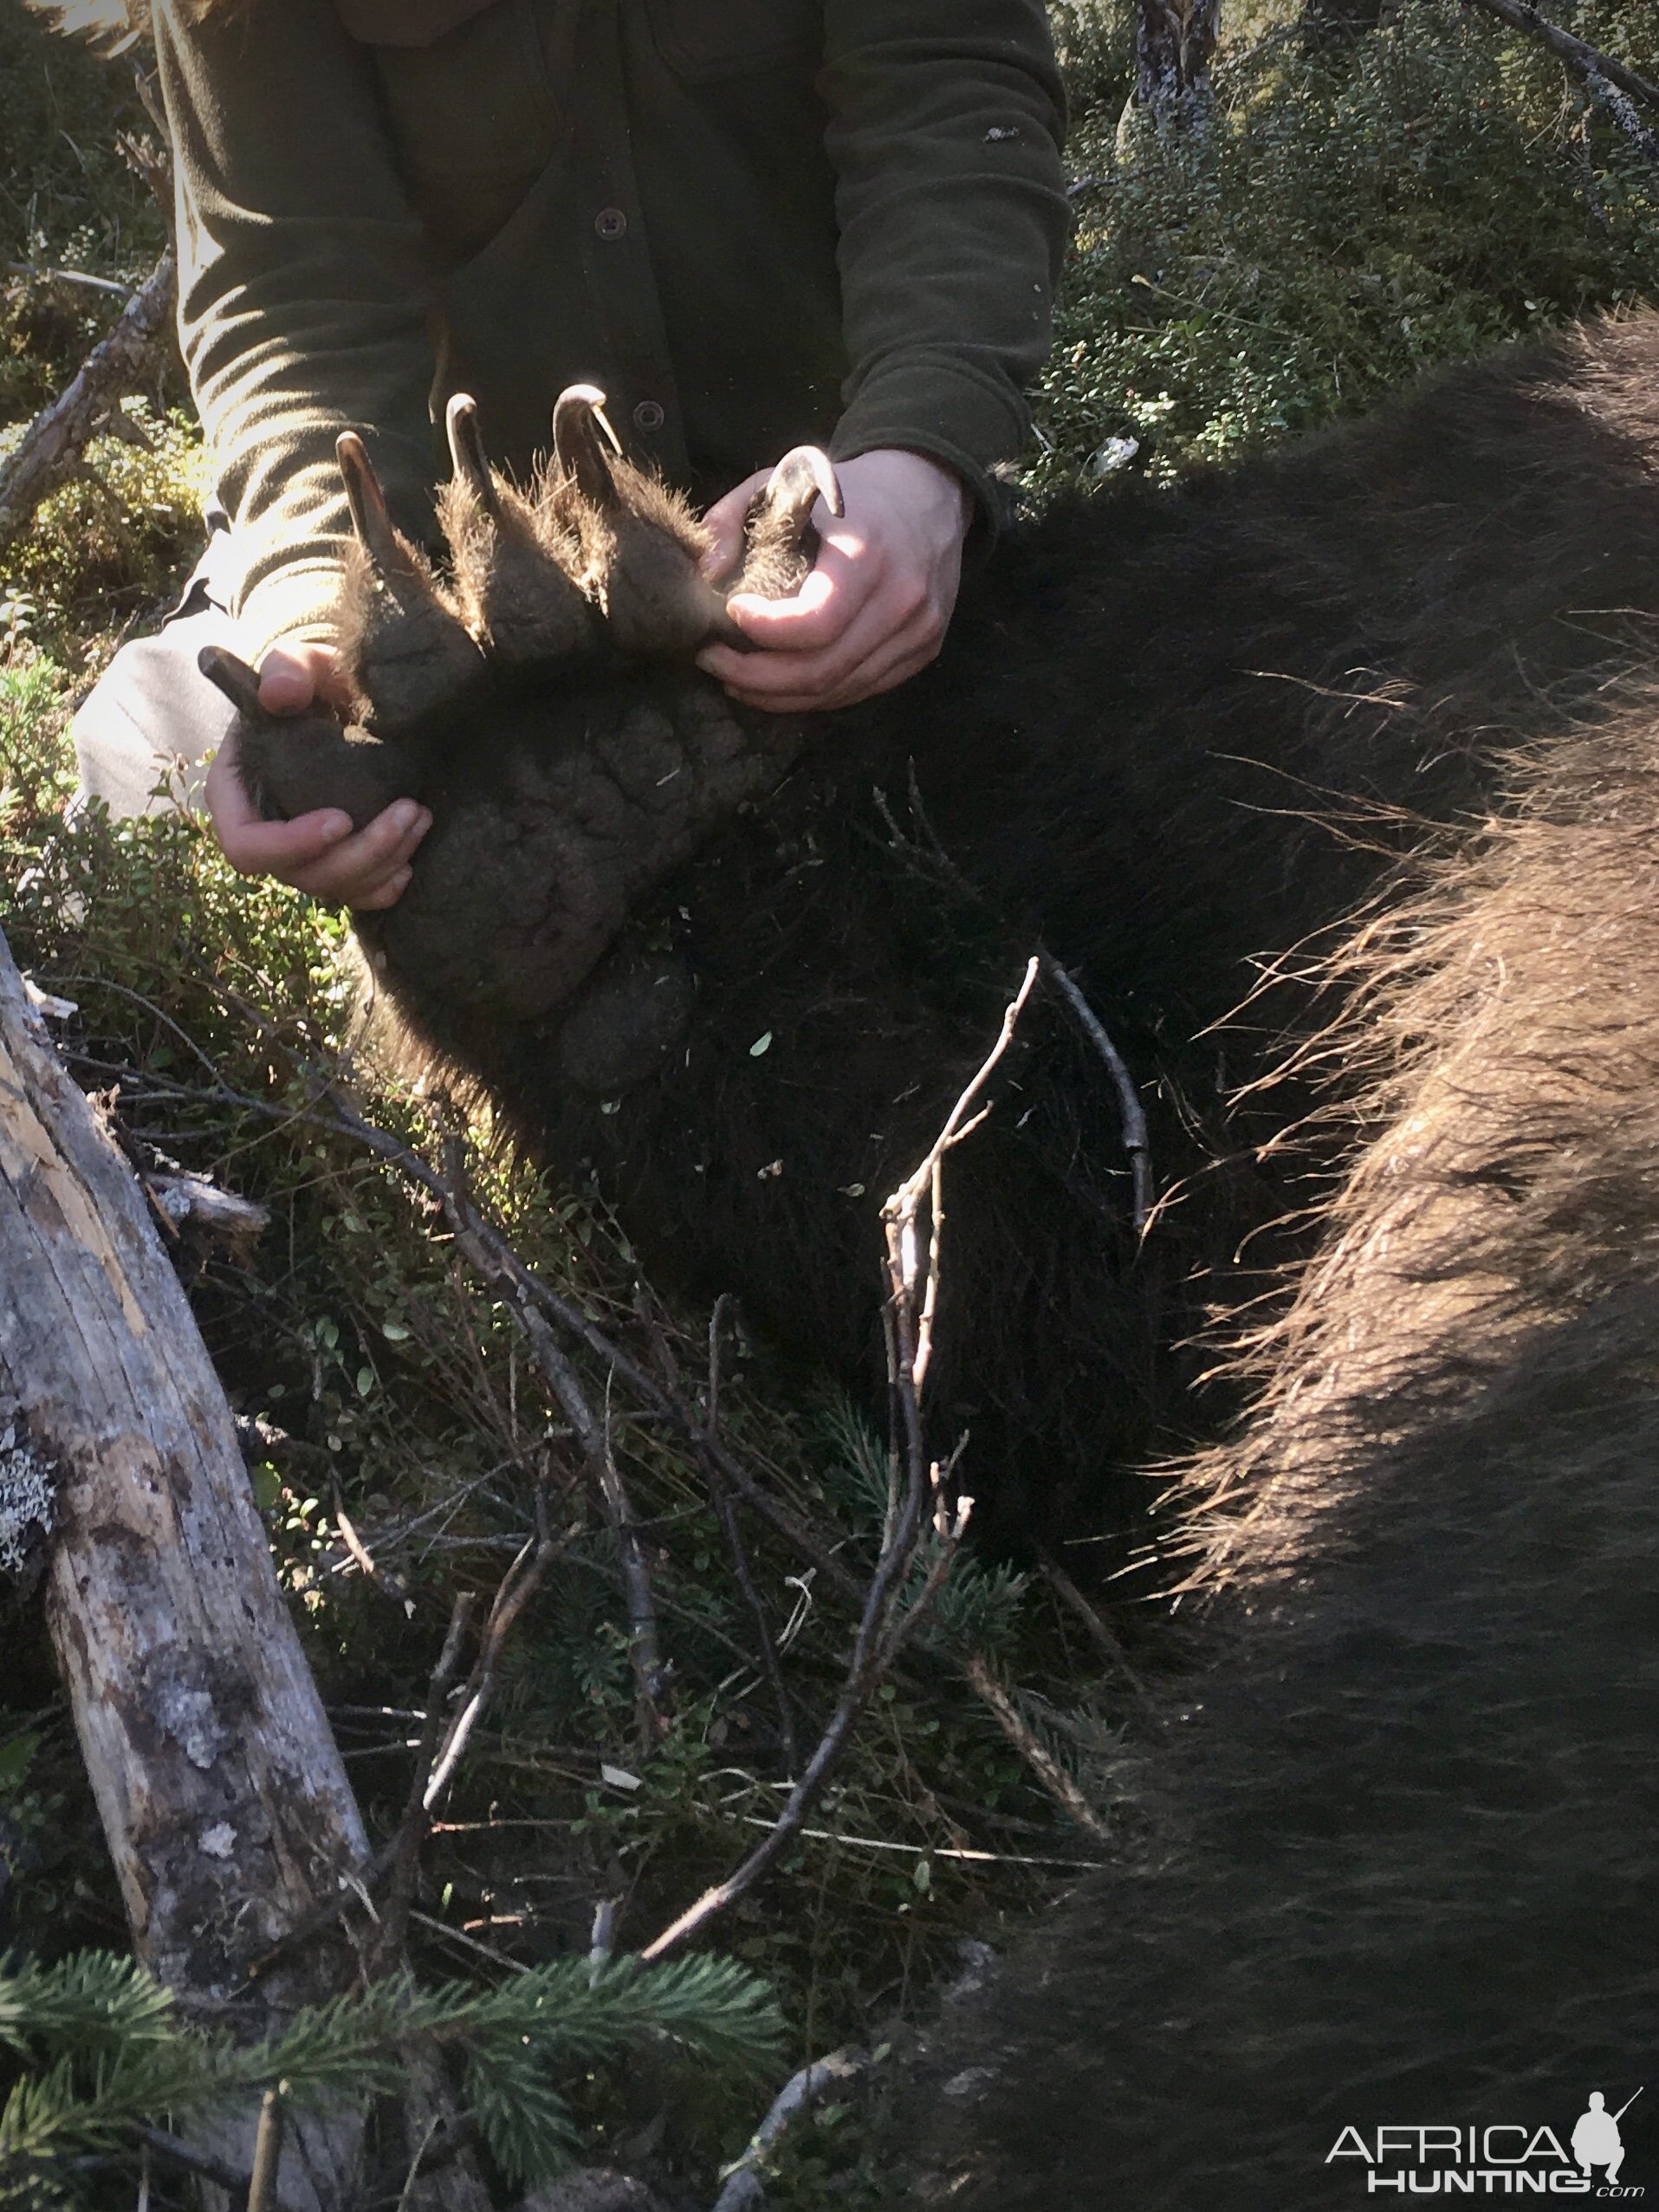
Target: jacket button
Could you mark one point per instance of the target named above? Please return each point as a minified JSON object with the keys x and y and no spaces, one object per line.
{"x":648,"y":416}
{"x":610,"y":222}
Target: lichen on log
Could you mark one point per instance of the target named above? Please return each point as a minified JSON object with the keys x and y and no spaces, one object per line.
{"x":225,"y":1803}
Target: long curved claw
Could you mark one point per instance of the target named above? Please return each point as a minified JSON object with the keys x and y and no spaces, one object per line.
{"x":780,"y":538}
{"x":640,"y":548}
{"x":239,"y":682}
{"x":403,"y":647}
{"x":467,"y":454}
{"x":294,"y":764}
{"x":371,"y":519}
{"x":804,"y":476}
{"x":512,"y":576}
{"x":584,"y":443}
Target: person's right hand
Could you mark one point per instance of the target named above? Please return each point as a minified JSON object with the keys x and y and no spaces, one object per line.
{"x":317,"y":853}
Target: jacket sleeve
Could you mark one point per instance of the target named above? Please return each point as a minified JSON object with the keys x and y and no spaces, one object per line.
{"x":301,"y":292}
{"x":947,"y":118}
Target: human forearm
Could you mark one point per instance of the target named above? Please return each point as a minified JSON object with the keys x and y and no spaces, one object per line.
{"x":946,"y":121}
{"x":302,"y":291}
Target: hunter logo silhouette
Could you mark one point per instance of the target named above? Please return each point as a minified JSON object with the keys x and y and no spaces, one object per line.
{"x":1512,"y":2158}
{"x":1595,"y":2138}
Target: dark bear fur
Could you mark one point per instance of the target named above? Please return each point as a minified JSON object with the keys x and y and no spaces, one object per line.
{"x":1403,"y":1872}
{"x":1151,"y":706}
{"x":1098,"y":755}
{"x":1397,"y":1864}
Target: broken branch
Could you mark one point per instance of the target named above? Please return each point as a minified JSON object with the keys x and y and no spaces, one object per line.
{"x":52,"y":446}
{"x":518,"y":1586}
{"x":43,"y":275}
{"x":1035,"y":1754}
{"x":403,"y":1855}
{"x":743,"y":2186}
{"x":1605,"y":78}
{"x":1136,"y":1143}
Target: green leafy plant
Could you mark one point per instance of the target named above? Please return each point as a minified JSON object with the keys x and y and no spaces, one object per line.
{"x":103,"y":2055}
{"x":1356,"y":213}
{"x":116,"y":535}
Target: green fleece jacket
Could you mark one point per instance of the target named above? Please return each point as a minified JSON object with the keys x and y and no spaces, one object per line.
{"x":753,"y":221}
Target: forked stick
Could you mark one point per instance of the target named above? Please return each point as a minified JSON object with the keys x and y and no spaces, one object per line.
{"x":883,"y":1627}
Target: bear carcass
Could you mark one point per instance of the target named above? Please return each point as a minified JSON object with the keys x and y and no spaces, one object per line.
{"x":741,"y":966}
{"x":1393,"y":1930}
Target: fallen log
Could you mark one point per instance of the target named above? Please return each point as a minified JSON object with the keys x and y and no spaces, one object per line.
{"x":226,"y":1808}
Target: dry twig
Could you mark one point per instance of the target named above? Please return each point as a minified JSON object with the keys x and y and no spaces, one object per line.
{"x":267,"y":2152}
{"x":1136,"y":1143}
{"x":706,"y":1435}
{"x":1036,"y":1754}
{"x":913,"y":1290}
{"x":42,"y":275}
{"x":1100,"y":1633}
{"x":931,"y":856}
{"x":518,"y":1586}
{"x":402,"y":1853}
{"x":496,"y":1260}
{"x":173,"y":2151}
{"x":884,"y":1625}
{"x":743,"y":2186}
{"x":398,"y":1858}
{"x":364,"y":1560}
{"x":877,"y":1644}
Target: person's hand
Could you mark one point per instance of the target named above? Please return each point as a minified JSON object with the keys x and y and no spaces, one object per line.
{"x":876,"y":606}
{"x":317,"y":853}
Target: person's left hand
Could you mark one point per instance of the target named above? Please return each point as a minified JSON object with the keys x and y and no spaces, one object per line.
{"x":876,"y":606}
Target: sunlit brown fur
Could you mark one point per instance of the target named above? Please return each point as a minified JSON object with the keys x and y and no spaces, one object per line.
{"x":1405,"y":1863}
